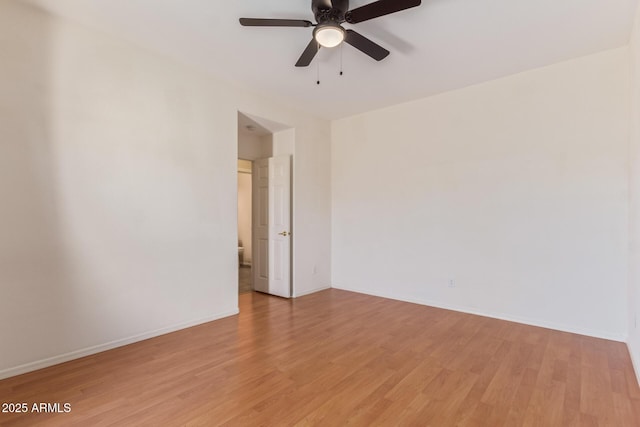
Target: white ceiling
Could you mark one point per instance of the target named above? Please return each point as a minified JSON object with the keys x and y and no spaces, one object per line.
{"x":439,"y":46}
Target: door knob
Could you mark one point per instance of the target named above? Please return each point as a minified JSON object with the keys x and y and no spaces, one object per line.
{"x":284,"y":233}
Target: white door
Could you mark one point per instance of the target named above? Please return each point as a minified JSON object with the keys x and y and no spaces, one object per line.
{"x":272,"y":225}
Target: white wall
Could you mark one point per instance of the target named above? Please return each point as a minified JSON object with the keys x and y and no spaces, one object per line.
{"x":253,"y":147}
{"x":118,"y":187}
{"x":284,"y":142}
{"x":516,"y":189}
{"x":634,"y":199}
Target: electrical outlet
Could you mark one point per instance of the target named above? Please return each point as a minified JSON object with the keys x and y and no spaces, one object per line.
{"x":451,"y":284}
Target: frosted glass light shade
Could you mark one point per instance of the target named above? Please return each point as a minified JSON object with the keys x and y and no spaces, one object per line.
{"x":329,"y":36}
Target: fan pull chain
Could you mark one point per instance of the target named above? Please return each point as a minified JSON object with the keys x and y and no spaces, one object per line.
{"x":341,"y":46}
{"x":318,"y":71}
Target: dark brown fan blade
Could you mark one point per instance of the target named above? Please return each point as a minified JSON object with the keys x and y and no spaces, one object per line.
{"x":309,"y":53}
{"x":365,"y":45}
{"x":259,"y":22}
{"x":379,"y":8}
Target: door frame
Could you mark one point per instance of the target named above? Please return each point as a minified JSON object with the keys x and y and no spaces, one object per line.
{"x":283,"y":143}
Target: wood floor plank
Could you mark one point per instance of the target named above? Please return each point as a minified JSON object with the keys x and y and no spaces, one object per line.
{"x":341,"y":358}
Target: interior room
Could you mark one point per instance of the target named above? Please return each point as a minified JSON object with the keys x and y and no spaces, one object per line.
{"x":320,"y":213}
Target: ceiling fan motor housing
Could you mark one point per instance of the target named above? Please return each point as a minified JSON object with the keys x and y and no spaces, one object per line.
{"x":330,"y":10}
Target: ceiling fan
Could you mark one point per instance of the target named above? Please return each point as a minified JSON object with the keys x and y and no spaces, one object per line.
{"x":328,"y":31}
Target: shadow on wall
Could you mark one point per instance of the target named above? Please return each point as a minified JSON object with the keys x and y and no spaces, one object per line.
{"x":34,"y":281}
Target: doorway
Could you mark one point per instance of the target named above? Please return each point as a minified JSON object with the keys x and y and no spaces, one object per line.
{"x":245,"y":249}
{"x":265,"y":243}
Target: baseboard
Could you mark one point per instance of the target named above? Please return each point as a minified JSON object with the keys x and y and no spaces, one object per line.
{"x":45,"y":363}
{"x":312,"y":291}
{"x":501,"y":316}
{"x":635,"y":361}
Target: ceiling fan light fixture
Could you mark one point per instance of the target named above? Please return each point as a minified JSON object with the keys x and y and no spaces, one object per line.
{"x":329,"y":35}
{"x":328,"y":32}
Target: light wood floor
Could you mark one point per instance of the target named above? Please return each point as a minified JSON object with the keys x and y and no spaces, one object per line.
{"x":336,"y":358}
